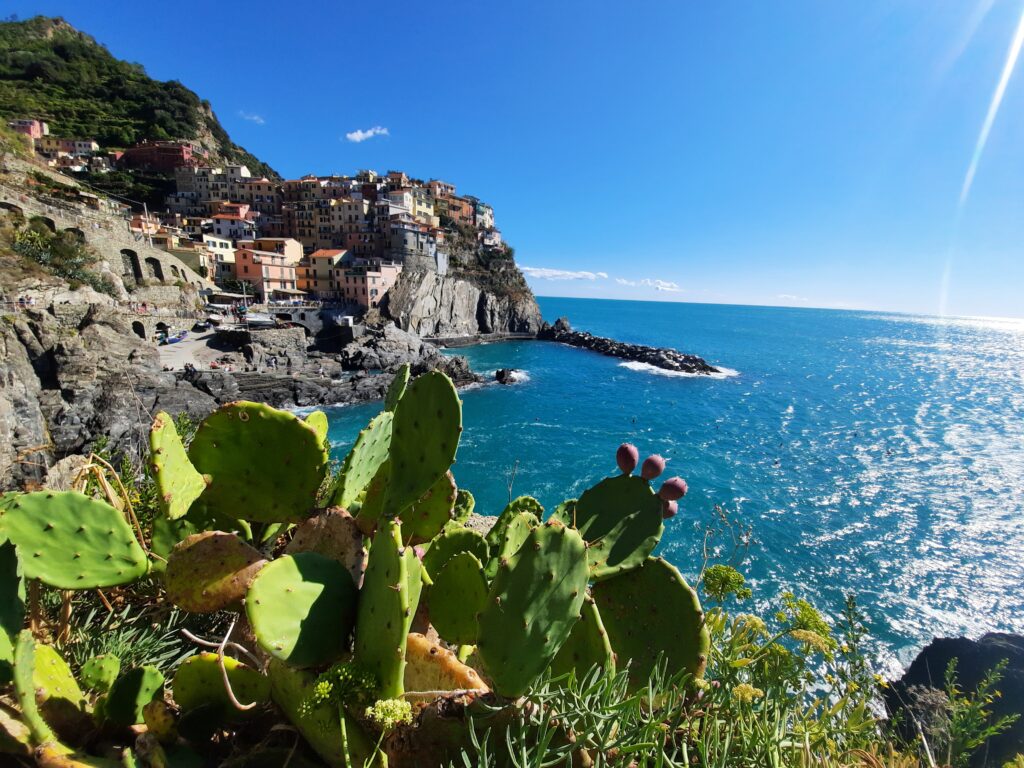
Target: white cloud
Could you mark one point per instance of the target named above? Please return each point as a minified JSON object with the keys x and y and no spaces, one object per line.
{"x":369,"y":133}
{"x":543,"y":273}
{"x":251,"y":117}
{"x":658,"y":285}
{"x":789,"y":297}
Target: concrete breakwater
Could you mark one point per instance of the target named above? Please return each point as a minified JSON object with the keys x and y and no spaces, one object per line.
{"x":668,"y":359}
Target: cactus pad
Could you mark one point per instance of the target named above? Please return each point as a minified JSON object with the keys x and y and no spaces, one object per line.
{"x":60,"y":700}
{"x":198,"y":682}
{"x":387,"y":603}
{"x":210,"y":571}
{"x":450,"y":542}
{"x":12,"y":606}
{"x":301,"y":608}
{"x":178,"y":484}
{"x":433,"y":668}
{"x":318,"y":421}
{"x":265,"y":465}
{"x":650,"y":612}
{"x":24,"y":686}
{"x":159,"y":720}
{"x":291,"y":689}
{"x":424,"y":438}
{"x":620,"y":518}
{"x":464,"y":506}
{"x":513,"y":534}
{"x":333,"y":533}
{"x":532,"y":605}
{"x":363,"y":461}
{"x":526,"y":504}
{"x":100,"y":672}
{"x":586,"y":647}
{"x":130,"y":693}
{"x":458,"y":594}
{"x":70,"y":541}
{"x":397,"y":388}
{"x":425,"y":519}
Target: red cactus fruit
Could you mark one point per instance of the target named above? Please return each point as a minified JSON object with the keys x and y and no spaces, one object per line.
{"x":652,"y":467}
{"x":672,"y":489}
{"x":627,"y":457}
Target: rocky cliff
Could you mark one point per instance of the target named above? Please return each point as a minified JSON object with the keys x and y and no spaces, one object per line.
{"x":432,"y":305}
{"x":75,"y":372}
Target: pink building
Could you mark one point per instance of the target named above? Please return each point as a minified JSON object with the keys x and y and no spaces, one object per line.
{"x":34,"y":129}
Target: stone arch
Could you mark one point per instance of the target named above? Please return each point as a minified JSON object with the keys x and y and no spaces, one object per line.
{"x":79,"y":234}
{"x":162,"y":326}
{"x":139,"y":329}
{"x":174,"y":272}
{"x":12,"y":208}
{"x":131,"y":267}
{"x":45,"y":220}
{"x":154,"y":269}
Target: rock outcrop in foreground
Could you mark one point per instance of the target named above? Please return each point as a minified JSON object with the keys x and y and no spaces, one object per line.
{"x":669,"y":359}
{"x":920,"y":690}
{"x":431,"y":305}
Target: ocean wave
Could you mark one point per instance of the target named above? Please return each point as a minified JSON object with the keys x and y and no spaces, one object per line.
{"x":723,"y":373}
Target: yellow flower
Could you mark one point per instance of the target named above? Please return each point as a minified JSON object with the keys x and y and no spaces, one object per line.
{"x":745,"y":693}
{"x":753,"y":623}
{"x":812,"y":639}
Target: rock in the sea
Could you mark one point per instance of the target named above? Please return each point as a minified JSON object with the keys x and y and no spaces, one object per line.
{"x":669,"y":359}
{"x":920,"y":690}
{"x":505,"y":375}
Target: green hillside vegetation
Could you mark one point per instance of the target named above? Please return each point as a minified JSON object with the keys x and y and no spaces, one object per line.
{"x":52,"y":71}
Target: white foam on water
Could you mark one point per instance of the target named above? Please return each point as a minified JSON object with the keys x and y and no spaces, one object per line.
{"x":633,"y":365}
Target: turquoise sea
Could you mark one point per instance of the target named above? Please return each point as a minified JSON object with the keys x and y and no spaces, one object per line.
{"x":876,"y":453}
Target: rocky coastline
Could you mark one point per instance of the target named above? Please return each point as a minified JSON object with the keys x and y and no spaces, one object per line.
{"x":668,"y":359}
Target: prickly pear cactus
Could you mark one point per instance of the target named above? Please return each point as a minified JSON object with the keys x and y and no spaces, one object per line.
{"x":160,"y":722}
{"x":524,"y":504}
{"x":12,"y":607}
{"x":363,"y":461}
{"x":198,"y":683}
{"x":464,"y":506}
{"x":132,"y":691}
{"x":515,"y":531}
{"x":332,"y":533}
{"x":397,"y":388}
{"x":458,"y":594}
{"x":649,"y":612}
{"x":532,"y":605}
{"x":586,"y":647}
{"x":70,"y":541}
{"x":317,"y":420}
{"x":450,"y":542}
{"x":265,"y":465}
{"x":24,"y":686}
{"x":100,"y":672}
{"x":60,"y":700}
{"x":620,"y":518}
{"x":210,"y":571}
{"x":424,"y":520}
{"x":178,"y":484}
{"x":301,"y":608}
{"x":387,"y":603}
{"x":292,"y":689}
{"x":432,"y":668}
{"x":424,"y":438}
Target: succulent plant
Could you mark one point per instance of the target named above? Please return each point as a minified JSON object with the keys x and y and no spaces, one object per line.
{"x":397,"y":387}
{"x":198,"y":682}
{"x":464,"y":506}
{"x":672,"y":489}
{"x":70,"y":541}
{"x":458,"y":594}
{"x":130,"y":693}
{"x":178,"y":484}
{"x":210,"y":571}
{"x":587,"y":645}
{"x":428,"y":516}
{"x":652,"y":467}
{"x":302,"y":608}
{"x":514,"y":533}
{"x":265,"y":465}
{"x":620,"y":518}
{"x":363,"y":461}
{"x":317,"y":420}
{"x":450,"y":542}
{"x":100,"y":672}
{"x":532,"y":605}
{"x":651,"y":613}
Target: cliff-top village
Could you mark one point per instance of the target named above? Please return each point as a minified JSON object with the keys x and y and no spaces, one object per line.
{"x":341,"y":240}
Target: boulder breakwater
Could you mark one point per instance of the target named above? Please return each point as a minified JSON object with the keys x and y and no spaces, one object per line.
{"x":659,"y":357}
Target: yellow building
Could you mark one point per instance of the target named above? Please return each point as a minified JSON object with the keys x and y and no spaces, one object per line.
{"x":318,"y":273}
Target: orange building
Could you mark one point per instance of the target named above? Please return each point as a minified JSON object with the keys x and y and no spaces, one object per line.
{"x":273,"y":276}
{"x":319,"y":273}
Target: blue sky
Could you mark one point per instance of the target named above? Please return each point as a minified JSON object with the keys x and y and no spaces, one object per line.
{"x":801,"y":153}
